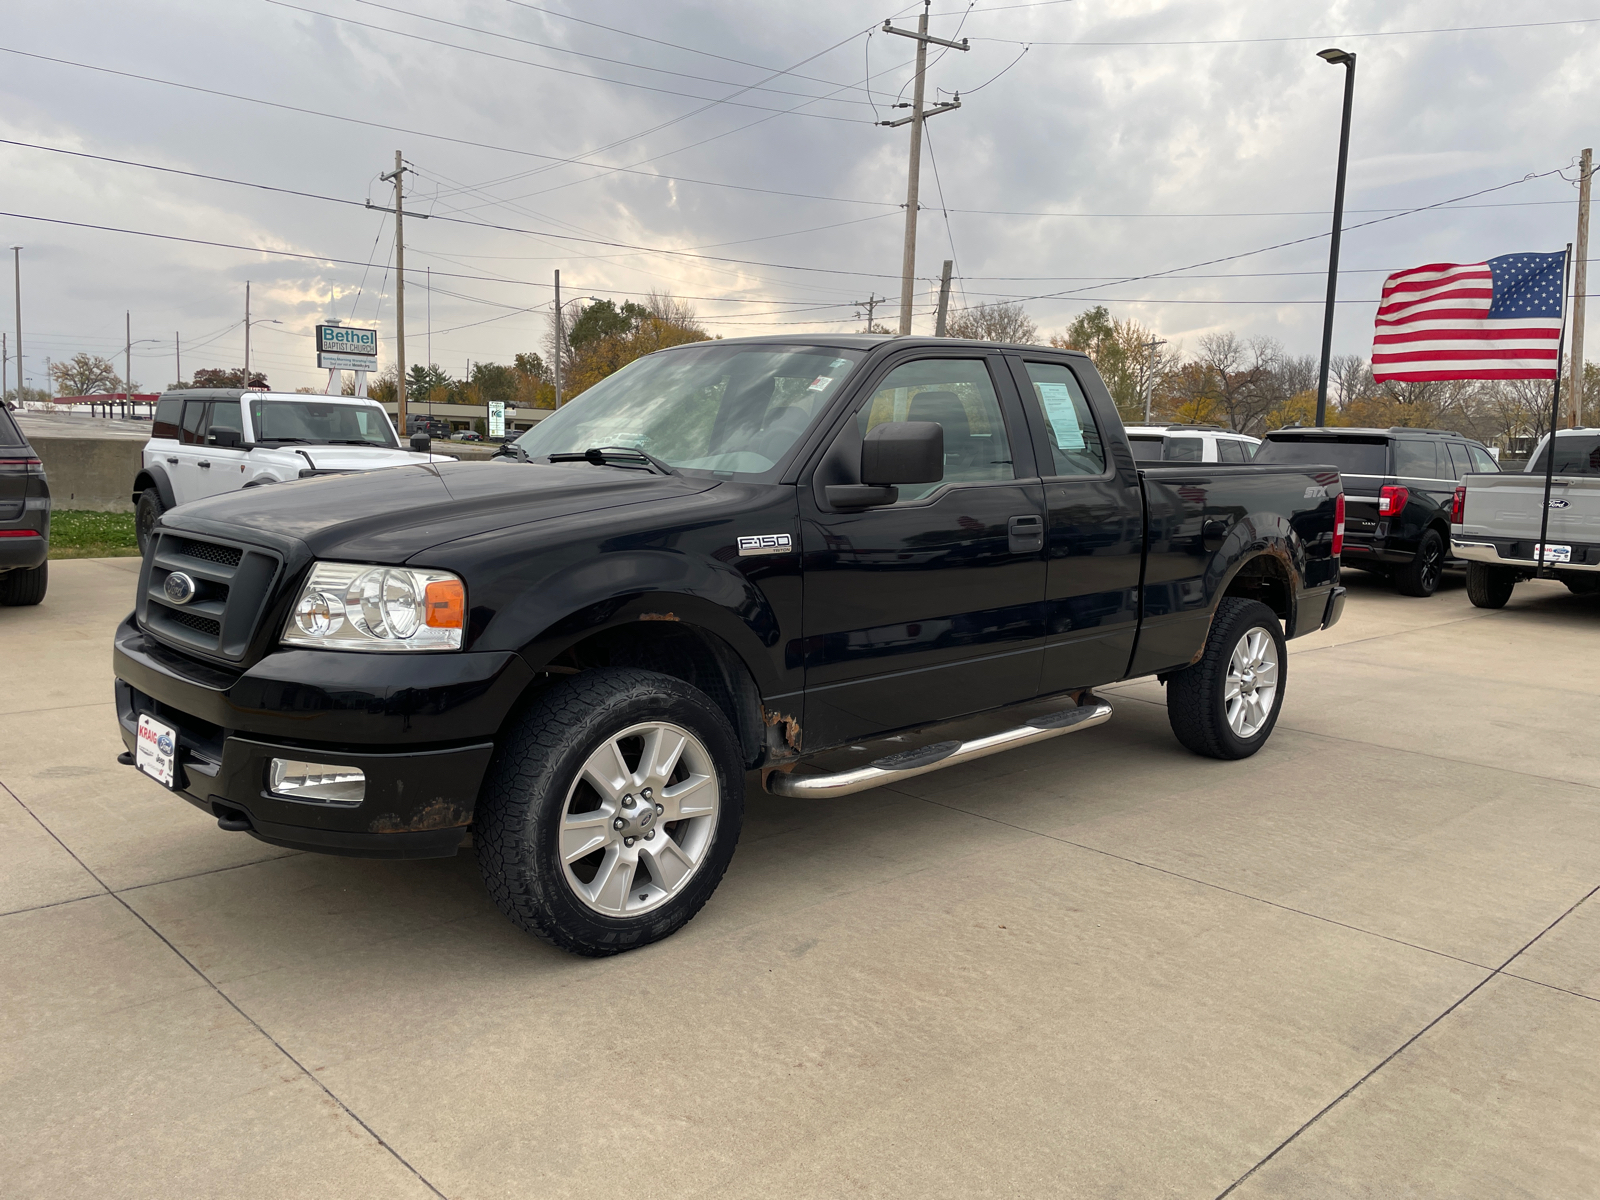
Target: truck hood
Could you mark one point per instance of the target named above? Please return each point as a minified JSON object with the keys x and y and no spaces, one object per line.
{"x":389,"y":516}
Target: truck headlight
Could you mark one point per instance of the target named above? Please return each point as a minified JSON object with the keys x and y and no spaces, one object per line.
{"x":352,"y":606}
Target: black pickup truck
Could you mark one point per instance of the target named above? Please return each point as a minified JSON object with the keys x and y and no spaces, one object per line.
{"x":726,"y":557}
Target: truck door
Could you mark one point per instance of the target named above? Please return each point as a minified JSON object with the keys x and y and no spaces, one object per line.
{"x":222,"y":454}
{"x":1096,"y":532}
{"x":183,"y":460}
{"x":933,"y":606}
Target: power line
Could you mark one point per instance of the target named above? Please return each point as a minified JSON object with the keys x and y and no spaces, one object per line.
{"x":1309,"y":37}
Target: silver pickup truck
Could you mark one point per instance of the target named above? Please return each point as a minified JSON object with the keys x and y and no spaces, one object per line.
{"x":1495,"y":522}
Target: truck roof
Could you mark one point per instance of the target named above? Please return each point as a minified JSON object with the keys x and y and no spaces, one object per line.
{"x":258,"y":394}
{"x":1361,"y":431}
{"x":871,"y":341}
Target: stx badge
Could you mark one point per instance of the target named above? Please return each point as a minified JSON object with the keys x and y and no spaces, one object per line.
{"x":765,"y":543}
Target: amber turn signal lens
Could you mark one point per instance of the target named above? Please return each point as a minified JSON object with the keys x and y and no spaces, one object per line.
{"x":446,"y":604}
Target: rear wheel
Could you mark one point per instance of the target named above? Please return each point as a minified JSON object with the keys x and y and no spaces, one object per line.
{"x":146,"y":514}
{"x":19,"y":589}
{"x":1225,"y":705}
{"x":1420,"y":576}
{"x":1582,"y":585}
{"x":1489,"y":586}
{"x":611,"y":810}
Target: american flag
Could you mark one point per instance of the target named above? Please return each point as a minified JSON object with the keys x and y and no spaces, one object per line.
{"x":1499,"y":319}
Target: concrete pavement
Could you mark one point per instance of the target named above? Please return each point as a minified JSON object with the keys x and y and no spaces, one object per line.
{"x":1365,"y":962}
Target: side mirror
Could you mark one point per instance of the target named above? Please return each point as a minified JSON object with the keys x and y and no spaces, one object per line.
{"x":903,"y":452}
{"x":893,"y":453}
{"x":421,"y":442}
{"x":228,"y":438}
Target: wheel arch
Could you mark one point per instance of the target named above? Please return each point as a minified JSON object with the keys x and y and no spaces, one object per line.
{"x":1267,"y":575}
{"x":154,"y":477}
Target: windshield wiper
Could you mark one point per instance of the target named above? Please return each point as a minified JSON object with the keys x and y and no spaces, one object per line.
{"x":277,"y":441}
{"x":356,"y":442}
{"x":607,"y":456}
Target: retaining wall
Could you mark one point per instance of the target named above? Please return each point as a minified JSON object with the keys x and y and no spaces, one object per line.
{"x":94,"y":473}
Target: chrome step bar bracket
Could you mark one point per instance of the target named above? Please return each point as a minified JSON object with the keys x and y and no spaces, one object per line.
{"x":910,"y":763}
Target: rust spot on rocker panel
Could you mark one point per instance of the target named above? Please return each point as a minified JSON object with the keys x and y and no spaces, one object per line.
{"x":440,"y":814}
{"x":658,"y":616}
{"x":788,"y":725}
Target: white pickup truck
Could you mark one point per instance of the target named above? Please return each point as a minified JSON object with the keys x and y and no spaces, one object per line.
{"x":1494,"y":521}
{"x":206,"y":441}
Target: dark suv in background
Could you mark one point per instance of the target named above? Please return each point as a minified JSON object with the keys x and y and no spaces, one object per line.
{"x":24,"y":518}
{"x":1399,"y":484}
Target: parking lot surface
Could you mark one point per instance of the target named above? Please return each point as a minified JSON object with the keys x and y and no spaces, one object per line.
{"x":1365,"y":962}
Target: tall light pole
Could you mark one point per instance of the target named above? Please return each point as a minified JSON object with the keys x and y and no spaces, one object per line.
{"x":16,"y":258}
{"x":1348,"y":61}
{"x":561,"y":337}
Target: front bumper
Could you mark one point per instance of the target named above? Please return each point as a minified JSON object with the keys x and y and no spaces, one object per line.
{"x":420,"y":727}
{"x":1519,"y":552}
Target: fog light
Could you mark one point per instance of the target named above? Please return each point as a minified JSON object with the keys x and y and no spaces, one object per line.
{"x":316,"y":783}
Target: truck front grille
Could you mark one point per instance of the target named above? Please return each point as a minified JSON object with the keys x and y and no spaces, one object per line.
{"x":232,"y":584}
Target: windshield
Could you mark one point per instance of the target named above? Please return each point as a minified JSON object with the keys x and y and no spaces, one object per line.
{"x":1353,"y":456}
{"x":731,"y":411}
{"x":321,"y":423}
{"x":1576,"y":454}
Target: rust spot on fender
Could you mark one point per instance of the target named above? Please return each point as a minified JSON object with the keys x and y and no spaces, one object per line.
{"x":440,"y":814}
{"x":787,"y":724}
{"x":658,"y":616}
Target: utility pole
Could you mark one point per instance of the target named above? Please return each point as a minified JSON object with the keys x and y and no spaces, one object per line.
{"x":560,"y":339}
{"x":944,"y":300}
{"x":127,"y":362}
{"x":5,"y":366}
{"x":870,"y":303}
{"x":909,"y":262}
{"x":247,"y":333}
{"x":177,"y":356}
{"x":1580,"y":281}
{"x":16,"y":258}
{"x":1150,"y":376}
{"x":399,"y":291}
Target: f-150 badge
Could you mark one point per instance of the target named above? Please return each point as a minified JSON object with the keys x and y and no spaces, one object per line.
{"x":765,"y":543}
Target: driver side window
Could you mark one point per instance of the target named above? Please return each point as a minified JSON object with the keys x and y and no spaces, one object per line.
{"x":957,"y":393}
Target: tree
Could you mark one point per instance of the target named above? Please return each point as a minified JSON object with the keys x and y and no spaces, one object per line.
{"x":495,"y":381}
{"x":215,"y":377}
{"x":605,"y":339}
{"x":997,"y":322}
{"x":85,"y":375}
{"x":430,"y":385}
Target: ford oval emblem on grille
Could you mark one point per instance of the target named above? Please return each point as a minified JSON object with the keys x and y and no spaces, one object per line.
{"x":179,"y":587}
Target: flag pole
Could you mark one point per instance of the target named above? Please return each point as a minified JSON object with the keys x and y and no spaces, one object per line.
{"x":1539,"y":568}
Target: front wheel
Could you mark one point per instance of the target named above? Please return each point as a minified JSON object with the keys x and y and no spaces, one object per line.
{"x":611,"y":810}
{"x":145,"y":516}
{"x":1420,"y":576}
{"x":1489,"y":586}
{"x":1225,"y":705}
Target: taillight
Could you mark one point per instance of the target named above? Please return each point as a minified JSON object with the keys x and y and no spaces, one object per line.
{"x":1338,"y":525}
{"x":1392,"y":500}
{"x":1458,"y":505}
{"x":20,"y":462}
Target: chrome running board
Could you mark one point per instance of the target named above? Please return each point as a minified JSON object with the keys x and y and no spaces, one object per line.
{"x":909,"y":763}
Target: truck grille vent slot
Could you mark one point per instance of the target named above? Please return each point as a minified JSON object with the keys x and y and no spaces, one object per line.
{"x":196,"y":622}
{"x":227,"y":556}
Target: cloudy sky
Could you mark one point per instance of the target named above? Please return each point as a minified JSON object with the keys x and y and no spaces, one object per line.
{"x":727,"y":152}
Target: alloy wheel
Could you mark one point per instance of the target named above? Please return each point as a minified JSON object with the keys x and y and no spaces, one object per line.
{"x":1252,"y":684}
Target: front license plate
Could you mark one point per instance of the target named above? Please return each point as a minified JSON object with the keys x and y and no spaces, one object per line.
{"x":1557,"y":554}
{"x":157,"y":750}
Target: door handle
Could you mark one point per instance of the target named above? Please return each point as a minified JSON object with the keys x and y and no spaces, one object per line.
{"x":1025,"y":535}
{"x":172,"y":460}
{"x":205,"y":463}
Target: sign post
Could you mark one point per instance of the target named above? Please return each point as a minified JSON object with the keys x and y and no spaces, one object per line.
{"x":341,"y":348}
{"x":497,"y":419}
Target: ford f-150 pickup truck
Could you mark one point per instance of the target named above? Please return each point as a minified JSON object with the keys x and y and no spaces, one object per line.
{"x":1495,"y":521}
{"x":726,"y":557}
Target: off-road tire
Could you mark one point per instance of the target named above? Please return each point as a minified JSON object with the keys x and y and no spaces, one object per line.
{"x":145,"y":515}
{"x":1489,"y":586}
{"x":1196,"y":707}
{"x":18,"y":589}
{"x":516,"y":827}
{"x":1420,"y":576}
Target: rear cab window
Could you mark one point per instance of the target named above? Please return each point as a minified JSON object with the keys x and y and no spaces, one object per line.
{"x":1575,"y":455}
{"x":1353,"y":455}
{"x":1075,"y":444}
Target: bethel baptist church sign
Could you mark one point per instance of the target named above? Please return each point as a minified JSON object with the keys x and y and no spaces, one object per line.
{"x":341,"y":348}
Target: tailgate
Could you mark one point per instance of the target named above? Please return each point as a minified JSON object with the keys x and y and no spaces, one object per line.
{"x":1507,"y":506}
